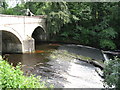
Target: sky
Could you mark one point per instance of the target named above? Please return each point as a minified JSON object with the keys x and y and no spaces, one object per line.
{"x":12,"y":3}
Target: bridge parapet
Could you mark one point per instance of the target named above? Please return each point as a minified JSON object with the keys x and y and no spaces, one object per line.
{"x":38,"y":16}
{"x":14,"y":19}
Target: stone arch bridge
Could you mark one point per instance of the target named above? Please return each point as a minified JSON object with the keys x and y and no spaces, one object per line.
{"x":18,"y":33}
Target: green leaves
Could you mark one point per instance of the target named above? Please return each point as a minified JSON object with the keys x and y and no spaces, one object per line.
{"x":112,"y":73}
{"x":12,"y":77}
{"x":89,"y":23}
{"x":107,"y":44}
{"x":108,"y":33}
{"x":58,"y":15}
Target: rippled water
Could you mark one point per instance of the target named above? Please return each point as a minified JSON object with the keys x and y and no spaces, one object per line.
{"x":63,"y":71}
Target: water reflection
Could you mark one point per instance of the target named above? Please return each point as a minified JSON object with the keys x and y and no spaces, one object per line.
{"x":61,"y":72}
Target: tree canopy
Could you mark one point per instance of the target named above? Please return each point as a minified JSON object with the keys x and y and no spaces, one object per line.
{"x":89,"y":23}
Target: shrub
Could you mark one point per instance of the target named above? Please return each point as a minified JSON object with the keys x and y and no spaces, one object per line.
{"x":12,"y":77}
{"x":107,"y":44}
{"x":112,"y":73}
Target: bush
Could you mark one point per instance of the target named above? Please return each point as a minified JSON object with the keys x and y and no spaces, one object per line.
{"x":112,"y":73}
{"x":12,"y":77}
{"x":107,"y":44}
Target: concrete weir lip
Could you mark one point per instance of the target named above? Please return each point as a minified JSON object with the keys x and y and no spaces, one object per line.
{"x":85,"y":53}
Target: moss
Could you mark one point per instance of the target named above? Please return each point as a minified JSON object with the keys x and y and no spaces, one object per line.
{"x":65,"y":55}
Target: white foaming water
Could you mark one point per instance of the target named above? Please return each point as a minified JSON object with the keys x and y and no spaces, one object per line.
{"x":81,"y":76}
{"x":105,"y":57}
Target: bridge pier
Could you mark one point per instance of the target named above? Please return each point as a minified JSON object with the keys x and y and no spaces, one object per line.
{"x":28,"y":45}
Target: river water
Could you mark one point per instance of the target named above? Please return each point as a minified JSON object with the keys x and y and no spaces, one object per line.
{"x":51,"y":63}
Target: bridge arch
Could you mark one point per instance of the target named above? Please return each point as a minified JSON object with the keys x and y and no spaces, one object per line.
{"x":39,"y":34}
{"x":23,"y":29}
{"x":11,"y":41}
{"x":11,"y":30}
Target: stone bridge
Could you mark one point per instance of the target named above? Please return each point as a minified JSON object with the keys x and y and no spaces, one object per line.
{"x":18,"y":33}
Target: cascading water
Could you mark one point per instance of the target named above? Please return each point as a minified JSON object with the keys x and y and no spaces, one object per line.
{"x":105,"y":57}
{"x":110,"y":55}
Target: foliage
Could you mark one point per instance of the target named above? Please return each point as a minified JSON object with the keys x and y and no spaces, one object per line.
{"x":3,"y":4}
{"x":89,"y":23}
{"x":107,"y":44}
{"x":57,"y":13}
{"x":112,"y":73}
{"x":12,"y":77}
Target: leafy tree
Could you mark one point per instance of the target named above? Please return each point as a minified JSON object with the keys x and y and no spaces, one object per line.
{"x":112,"y":73}
{"x":94,"y":23}
{"x":3,"y":6}
{"x":90,"y":24}
{"x":57,"y":13}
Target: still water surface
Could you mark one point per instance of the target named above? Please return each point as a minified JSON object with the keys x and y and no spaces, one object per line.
{"x":61,"y":72}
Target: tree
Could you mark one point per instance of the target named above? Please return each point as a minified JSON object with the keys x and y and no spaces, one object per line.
{"x":57,"y":13}
{"x":95,"y":23}
{"x":112,"y":73}
{"x":3,"y":6}
{"x":90,"y":24}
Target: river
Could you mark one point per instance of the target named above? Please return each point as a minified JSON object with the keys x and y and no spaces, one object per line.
{"x":55,"y":67}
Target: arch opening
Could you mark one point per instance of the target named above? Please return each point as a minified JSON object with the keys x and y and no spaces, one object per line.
{"x":39,"y":34}
{"x":10,"y":43}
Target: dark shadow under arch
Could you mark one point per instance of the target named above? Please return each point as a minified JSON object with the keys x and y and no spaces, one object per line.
{"x":10,"y":43}
{"x":39,"y":34}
